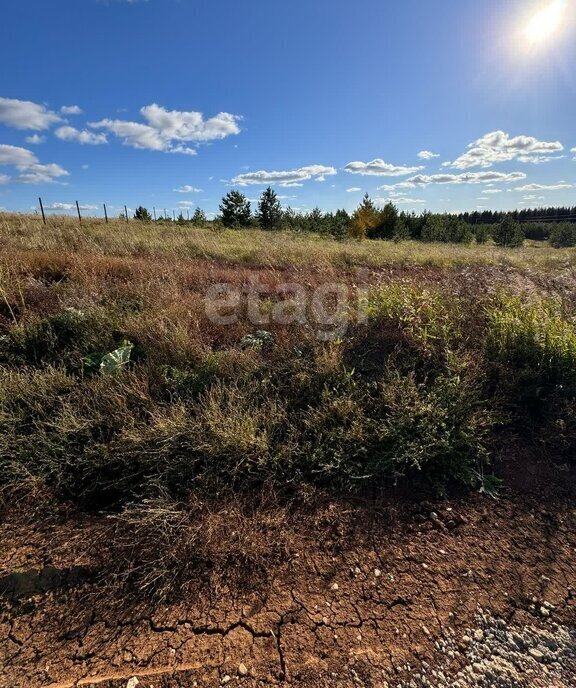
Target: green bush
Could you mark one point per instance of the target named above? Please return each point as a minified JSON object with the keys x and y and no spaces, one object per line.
{"x":563,"y":235}
{"x":433,"y":431}
{"x":446,"y":229}
{"x":534,"y":349}
{"x":536,"y":336}
{"x":64,"y":338}
{"x":482,"y":233}
{"x":508,"y":233}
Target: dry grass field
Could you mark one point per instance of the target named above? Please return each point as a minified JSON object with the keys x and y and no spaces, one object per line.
{"x":347,"y":444}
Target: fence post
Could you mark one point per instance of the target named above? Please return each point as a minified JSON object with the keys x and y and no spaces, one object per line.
{"x":79,"y":216}
{"x":154,"y":209}
{"x":165,"y":214}
{"x":105,"y":213}
{"x":42,"y":209}
{"x":174,"y":215}
{"x":126,"y":213}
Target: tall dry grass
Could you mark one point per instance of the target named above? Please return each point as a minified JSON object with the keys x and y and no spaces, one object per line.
{"x":255,"y":247}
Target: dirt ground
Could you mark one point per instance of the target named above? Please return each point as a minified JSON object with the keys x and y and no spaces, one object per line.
{"x":455,"y":592}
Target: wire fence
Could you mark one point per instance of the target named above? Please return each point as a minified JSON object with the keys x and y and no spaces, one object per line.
{"x":162,"y":214}
{"x":184,"y":213}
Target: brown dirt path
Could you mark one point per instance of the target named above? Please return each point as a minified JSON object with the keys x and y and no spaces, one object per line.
{"x":461,"y":593}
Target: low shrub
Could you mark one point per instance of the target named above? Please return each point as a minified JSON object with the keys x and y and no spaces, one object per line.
{"x":433,"y":432}
{"x":536,"y":337}
{"x":63,"y":339}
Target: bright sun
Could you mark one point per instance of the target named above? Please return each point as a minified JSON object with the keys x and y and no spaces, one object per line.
{"x":546,"y":22}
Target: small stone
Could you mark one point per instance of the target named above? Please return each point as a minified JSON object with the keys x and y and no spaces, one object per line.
{"x":133,"y":682}
{"x":225,"y":679}
{"x":377,"y":573}
{"x":426,"y":631}
{"x":544,"y":611}
{"x":242,"y":670}
{"x":538,"y":656}
{"x":335,"y":587}
{"x":467,"y":639}
{"x":479,"y":635}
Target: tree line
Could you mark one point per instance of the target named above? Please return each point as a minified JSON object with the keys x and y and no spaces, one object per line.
{"x":368,"y":221}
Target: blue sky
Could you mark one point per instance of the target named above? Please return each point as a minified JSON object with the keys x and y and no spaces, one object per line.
{"x":441,"y":105}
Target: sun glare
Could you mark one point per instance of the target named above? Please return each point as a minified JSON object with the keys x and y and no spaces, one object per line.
{"x":546,"y":22}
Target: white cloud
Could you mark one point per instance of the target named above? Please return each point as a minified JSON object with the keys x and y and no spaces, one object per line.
{"x":290,"y":178}
{"x":545,"y":187}
{"x":170,"y":130}
{"x":188,"y":189}
{"x":379,"y":168}
{"x":35,"y":139}
{"x":134,"y":134}
{"x":190,"y":126}
{"x":71,"y":110}
{"x":398,"y":200}
{"x":497,"y":146}
{"x":23,"y":114}
{"x":69,"y":206}
{"x":539,"y":159}
{"x":41,"y":174}
{"x":31,"y":170}
{"x":4,"y":179}
{"x":83,"y":137}
{"x":427,"y":155}
{"x":185,"y":204}
{"x":464,"y":178}
{"x":354,"y":189}
{"x":16,"y":156}
{"x":492,"y":191}
{"x":532,"y":197}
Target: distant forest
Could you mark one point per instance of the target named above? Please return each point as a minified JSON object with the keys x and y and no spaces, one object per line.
{"x":491,"y":217}
{"x":369,"y":221}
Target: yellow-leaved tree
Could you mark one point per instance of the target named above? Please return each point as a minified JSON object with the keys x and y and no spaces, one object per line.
{"x":364,"y":219}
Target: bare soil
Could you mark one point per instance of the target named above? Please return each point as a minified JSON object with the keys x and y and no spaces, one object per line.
{"x":456,"y":592}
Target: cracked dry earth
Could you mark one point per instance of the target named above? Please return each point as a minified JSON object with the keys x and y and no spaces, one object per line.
{"x":462,"y":593}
